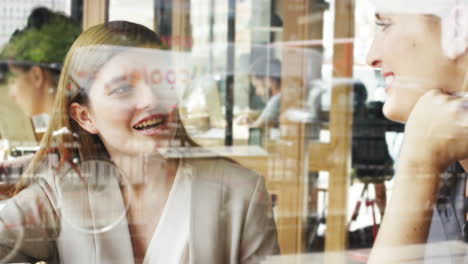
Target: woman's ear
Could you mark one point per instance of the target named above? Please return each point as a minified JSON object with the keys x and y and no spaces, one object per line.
{"x":81,"y":115}
{"x":37,"y":76}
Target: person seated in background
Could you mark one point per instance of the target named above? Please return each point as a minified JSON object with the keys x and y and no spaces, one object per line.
{"x":265,"y":76}
{"x":33,"y":57}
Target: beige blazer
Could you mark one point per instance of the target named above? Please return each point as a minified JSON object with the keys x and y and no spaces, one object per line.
{"x":231,"y":220}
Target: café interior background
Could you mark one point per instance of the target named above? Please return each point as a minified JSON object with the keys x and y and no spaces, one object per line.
{"x":306,"y":158}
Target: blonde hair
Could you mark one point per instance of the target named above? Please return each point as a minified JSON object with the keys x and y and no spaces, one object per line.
{"x":64,"y":136}
{"x":465,"y":82}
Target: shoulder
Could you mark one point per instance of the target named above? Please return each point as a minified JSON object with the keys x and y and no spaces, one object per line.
{"x":228,"y":174}
{"x":275,"y":100}
{"x":43,"y":181}
{"x":273,"y":105}
{"x":222,"y":165}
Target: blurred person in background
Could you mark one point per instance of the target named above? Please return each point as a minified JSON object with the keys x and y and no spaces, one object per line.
{"x":265,"y":77}
{"x":33,"y":57}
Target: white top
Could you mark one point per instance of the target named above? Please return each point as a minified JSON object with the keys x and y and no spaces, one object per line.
{"x":271,"y":111}
{"x":170,"y":242}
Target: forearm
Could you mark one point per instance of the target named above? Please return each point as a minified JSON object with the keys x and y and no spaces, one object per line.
{"x":408,"y":216}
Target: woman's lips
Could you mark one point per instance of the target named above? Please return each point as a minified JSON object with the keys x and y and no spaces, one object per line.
{"x":159,"y":130}
{"x":152,"y":125}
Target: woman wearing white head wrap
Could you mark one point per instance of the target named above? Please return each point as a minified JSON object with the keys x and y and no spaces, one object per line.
{"x":421,"y":48}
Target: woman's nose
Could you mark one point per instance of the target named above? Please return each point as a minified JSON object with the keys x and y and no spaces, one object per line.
{"x":146,"y":96}
{"x":373,"y":56}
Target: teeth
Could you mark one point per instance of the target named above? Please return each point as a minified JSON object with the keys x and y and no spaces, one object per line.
{"x":149,"y":122}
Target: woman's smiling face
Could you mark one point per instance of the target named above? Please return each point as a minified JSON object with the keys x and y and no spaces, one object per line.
{"x":130,"y":108}
{"x":407,"y":48}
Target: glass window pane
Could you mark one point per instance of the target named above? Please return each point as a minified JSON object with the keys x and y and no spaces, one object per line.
{"x":235,"y":131}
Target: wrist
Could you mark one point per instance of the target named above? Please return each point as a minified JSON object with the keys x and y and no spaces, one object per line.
{"x":420,"y":162}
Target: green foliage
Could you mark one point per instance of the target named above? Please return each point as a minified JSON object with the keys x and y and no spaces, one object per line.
{"x":47,"y":44}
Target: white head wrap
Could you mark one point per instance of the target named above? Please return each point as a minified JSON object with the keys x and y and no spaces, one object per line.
{"x":453,"y":15}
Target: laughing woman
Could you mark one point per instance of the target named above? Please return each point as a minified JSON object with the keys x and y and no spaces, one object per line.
{"x":421,"y":48}
{"x":114,"y":116}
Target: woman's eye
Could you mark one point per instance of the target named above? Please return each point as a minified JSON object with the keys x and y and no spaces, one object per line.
{"x":121,"y":89}
{"x":384,"y":24}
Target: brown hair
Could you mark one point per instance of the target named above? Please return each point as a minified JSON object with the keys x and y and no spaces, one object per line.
{"x":74,"y":141}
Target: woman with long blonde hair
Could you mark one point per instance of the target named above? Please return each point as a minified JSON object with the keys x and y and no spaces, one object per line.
{"x":102,"y":189}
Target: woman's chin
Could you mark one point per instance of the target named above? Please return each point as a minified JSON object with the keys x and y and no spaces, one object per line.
{"x":157,"y":146}
{"x":136,"y":149}
{"x":394,"y":112}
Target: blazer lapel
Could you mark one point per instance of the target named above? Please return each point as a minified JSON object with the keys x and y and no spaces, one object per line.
{"x":113,"y":243}
{"x":205,"y":243}
{"x":94,"y":226}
